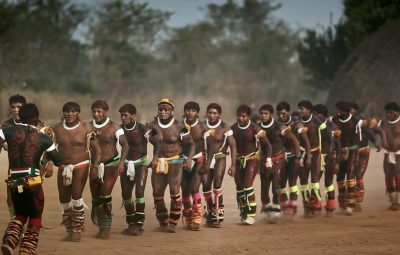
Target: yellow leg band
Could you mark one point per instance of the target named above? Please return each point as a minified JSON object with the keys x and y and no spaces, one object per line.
{"x":315,"y":185}
{"x":341,"y":184}
{"x":330,"y":188}
{"x":294,"y":189}
{"x":351,"y":183}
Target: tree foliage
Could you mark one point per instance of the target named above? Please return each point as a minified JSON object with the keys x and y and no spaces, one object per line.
{"x":123,"y":35}
{"x":37,"y":48}
{"x":322,"y":53}
{"x":238,"y":49}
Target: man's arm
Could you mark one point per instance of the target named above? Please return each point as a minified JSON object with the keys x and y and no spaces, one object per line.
{"x":154,"y":136}
{"x":210,"y":150}
{"x":189,"y":143}
{"x":294,"y":143}
{"x":51,"y":157}
{"x":378,"y":130}
{"x":232,"y":147}
{"x":338,"y":144}
{"x":304,"y":139}
{"x":266,"y":146}
{"x":124,"y":153}
{"x":95,"y":154}
{"x":2,"y":141}
{"x":54,"y":155}
{"x":370,"y":134}
{"x":266,"y":149}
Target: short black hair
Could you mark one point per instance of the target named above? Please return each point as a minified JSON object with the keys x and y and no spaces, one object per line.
{"x":128,"y":108}
{"x":343,"y":106}
{"x":306,"y":104}
{"x":29,"y":114}
{"x":17,"y":99}
{"x":215,"y":106}
{"x":71,"y":106}
{"x":283,"y":106}
{"x":102,"y":104}
{"x":192,"y":105}
{"x":244,"y":108}
{"x":321,"y":109}
{"x":392,"y":106}
{"x":266,"y":107}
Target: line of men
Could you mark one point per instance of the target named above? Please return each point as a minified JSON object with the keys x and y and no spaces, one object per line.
{"x":305,"y":144}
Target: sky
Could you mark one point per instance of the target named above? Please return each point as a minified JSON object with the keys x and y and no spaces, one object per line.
{"x":297,"y":13}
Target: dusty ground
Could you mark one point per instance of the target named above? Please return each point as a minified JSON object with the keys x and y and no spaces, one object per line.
{"x":373,"y":231}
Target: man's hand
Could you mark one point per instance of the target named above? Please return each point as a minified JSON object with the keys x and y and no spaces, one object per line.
{"x":154,"y":163}
{"x":232,"y":170}
{"x":121,"y":168}
{"x":268,"y":164}
{"x":187,"y":164}
{"x":308,"y":163}
{"x":93,"y":172}
{"x":49,"y":169}
{"x":378,"y":147}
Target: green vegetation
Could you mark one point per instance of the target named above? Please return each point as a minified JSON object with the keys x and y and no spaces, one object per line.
{"x":240,"y":50}
{"x":322,"y":53}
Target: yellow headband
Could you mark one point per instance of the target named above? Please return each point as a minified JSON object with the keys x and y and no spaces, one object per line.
{"x":166,"y":101}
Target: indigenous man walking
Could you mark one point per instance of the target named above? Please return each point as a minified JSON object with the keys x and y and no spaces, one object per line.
{"x":363,"y":157}
{"x":351,"y":136}
{"x":315,"y":129}
{"x":218,"y":139}
{"x":332,"y":153}
{"x":110,"y":135}
{"x":278,"y":135}
{"x":247,"y":135}
{"x":15,"y":102}
{"x":191,"y":177}
{"x":292,"y":164}
{"x":170,"y":163}
{"x":79,"y":148}
{"x":138,"y":136}
{"x":26,"y":146}
{"x":391,"y":163}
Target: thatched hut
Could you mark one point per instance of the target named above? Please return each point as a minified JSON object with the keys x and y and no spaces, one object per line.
{"x":371,"y":74}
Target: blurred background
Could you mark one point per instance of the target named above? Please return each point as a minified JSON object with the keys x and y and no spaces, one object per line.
{"x":225,"y":51}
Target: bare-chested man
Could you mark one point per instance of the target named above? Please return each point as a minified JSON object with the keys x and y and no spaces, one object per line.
{"x":247,"y":135}
{"x":391,"y":163}
{"x":363,"y":157}
{"x":277,"y":134}
{"x":26,"y":146}
{"x":15,"y":102}
{"x":218,"y":138}
{"x":79,"y":147}
{"x":292,"y":162}
{"x":170,"y":163}
{"x":332,"y":153}
{"x":191,"y":177}
{"x":110,"y":135}
{"x":351,"y":136}
{"x":315,"y":129}
{"x":138,"y":136}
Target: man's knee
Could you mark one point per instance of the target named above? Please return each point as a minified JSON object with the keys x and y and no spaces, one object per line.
{"x":139,"y":193}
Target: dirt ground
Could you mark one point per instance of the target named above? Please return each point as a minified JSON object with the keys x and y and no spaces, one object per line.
{"x":375,"y":230}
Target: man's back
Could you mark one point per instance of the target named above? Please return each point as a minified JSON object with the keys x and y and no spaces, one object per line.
{"x":26,"y":146}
